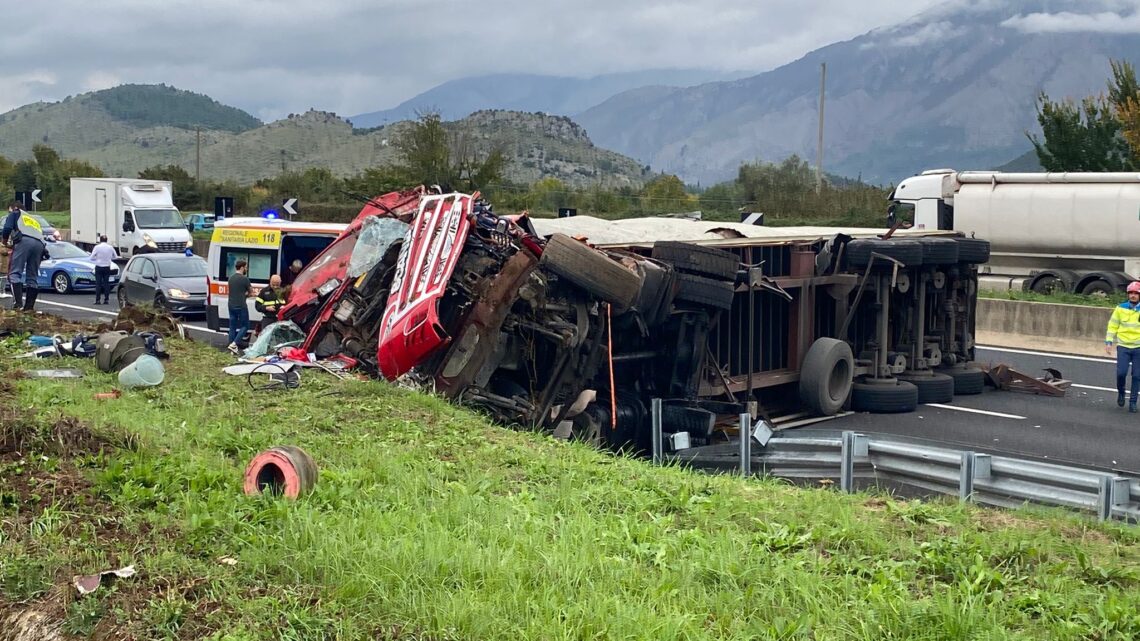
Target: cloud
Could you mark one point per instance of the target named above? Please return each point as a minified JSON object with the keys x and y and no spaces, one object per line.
{"x":927,"y":33}
{"x":274,"y":57}
{"x":1068,"y":22}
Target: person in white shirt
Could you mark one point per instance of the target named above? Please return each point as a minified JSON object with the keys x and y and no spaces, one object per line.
{"x":103,"y":256}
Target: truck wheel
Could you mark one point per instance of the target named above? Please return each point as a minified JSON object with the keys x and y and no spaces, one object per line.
{"x":591,"y":270}
{"x":935,"y":388}
{"x":698,"y":259}
{"x":1054,"y":281}
{"x":973,"y":251}
{"x":938,"y":251}
{"x":1099,"y":287}
{"x":826,"y":376}
{"x":705,"y":291}
{"x":884,"y":398}
{"x":907,"y":252}
{"x":967,"y":381}
{"x":61,"y":283}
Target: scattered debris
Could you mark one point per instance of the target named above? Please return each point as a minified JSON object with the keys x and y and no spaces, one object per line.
{"x":283,"y":470}
{"x":106,"y":396}
{"x":145,"y":371}
{"x":227,"y":560}
{"x":55,"y":373}
{"x":1006,"y":378}
{"x":91,"y":582}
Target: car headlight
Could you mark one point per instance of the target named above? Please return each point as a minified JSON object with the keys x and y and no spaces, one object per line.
{"x":177,"y":293}
{"x":329,"y":287}
{"x":190,"y":244}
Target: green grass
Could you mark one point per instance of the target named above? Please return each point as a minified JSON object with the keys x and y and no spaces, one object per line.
{"x":57,"y":219}
{"x":1058,"y":298}
{"x":427,"y":523}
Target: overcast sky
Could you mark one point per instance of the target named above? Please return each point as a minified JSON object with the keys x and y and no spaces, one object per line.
{"x":351,"y":56}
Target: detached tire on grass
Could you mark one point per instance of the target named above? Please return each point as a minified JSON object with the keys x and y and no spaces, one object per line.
{"x":825,"y":376}
{"x":884,"y":398}
{"x":283,"y":470}
{"x":591,"y":270}
{"x":698,"y":259}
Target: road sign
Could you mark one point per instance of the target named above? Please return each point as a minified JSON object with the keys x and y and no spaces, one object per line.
{"x":223,"y":207}
{"x":566,"y":212}
{"x":287,"y":205}
{"x":36,"y":196}
{"x":752,"y":218}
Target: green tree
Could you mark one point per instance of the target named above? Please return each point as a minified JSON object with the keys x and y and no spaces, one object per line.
{"x":1124,"y":94}
{"x":433,"y":156}
{"x":1085,"y":136}
{"x":185,"y":188}
{"x":666,"y":194}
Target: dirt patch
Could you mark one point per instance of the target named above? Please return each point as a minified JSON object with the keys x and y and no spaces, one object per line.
{"x":65,"y":437}
{"x":142,"y":319}
{"x":38,"y":323}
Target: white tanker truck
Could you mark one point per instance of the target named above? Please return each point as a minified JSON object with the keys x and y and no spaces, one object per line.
{"x":1071,"y":232}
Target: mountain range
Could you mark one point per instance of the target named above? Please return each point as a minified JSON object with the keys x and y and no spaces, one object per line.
{"x":129,"y":128}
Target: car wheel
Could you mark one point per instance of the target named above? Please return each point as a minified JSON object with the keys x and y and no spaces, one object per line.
{"x":122,"y":296}
{"x":160,"y":303}
{"x":61,"y":283}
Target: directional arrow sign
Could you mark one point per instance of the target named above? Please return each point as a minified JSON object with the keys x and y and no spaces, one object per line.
{"x":288,"y":206}
{"x":36,"y":196}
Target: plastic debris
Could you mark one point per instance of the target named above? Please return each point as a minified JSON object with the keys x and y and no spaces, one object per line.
{"x":55,"y":373}
{"x":91,"y":582}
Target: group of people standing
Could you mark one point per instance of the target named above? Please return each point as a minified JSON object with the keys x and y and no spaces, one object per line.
{"x":268,"y":302}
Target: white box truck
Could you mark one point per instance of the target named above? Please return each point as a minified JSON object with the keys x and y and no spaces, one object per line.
{"x":1070,"y":232}
{"x":137,"y":215}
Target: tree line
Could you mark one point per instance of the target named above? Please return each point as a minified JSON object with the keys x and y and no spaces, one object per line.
{"x":429,"y":154}
{"x":1096,"y":133}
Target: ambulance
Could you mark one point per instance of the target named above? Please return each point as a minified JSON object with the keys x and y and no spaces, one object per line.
{"x":269,"y":246}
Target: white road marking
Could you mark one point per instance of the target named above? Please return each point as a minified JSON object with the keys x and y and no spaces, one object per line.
{"x":104,"y":312}
{"x":1094,"y":387}
{"x":974,"y":411}
{"x":1047,"y":354}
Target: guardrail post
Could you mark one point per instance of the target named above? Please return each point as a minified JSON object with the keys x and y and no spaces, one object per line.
{"x":854,"y":445}
{"x":656,"y":431}
{"x":746,"y":445}
{"x":1113,"y":492}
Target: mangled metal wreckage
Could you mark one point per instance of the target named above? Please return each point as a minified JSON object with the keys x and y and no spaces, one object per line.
{"x":547,"y":332}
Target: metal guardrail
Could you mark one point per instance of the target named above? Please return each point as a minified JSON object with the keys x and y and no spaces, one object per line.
{"x":986,"y":479}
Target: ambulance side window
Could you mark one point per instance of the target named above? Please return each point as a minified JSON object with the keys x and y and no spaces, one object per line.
{"x":262,"y":262}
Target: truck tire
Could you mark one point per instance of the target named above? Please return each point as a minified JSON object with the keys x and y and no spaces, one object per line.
{"x":698,"y":259}
{"x":717,"y":294}
{"x":591,"y":270}
{"x":826,"y":376}
{"x":1099,"y":287}
{"x":694,"y":420}
{"x":935,"y":388}
{"x":967,"y":381}
{"x":907,"y":252}
{"x":884,"y":398}
{"x":939,"y":251}
{"x":973,"y":251}
{"x":1054,"y":281}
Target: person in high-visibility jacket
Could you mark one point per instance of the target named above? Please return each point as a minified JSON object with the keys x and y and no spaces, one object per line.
{"x":1124,"y":330}
{"x":26,"y":237}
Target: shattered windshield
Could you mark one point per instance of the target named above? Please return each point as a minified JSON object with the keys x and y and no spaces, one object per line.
{"x":376,"y":236}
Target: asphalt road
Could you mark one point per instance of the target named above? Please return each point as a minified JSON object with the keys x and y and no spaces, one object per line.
{"x":1085,"y":427}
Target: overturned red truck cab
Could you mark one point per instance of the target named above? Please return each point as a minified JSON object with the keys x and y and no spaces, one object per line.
{"x":524,"y":320}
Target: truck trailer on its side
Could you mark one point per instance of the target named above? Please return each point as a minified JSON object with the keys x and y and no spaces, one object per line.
{"x":136,"y":215}
{"x":1066,"y":232}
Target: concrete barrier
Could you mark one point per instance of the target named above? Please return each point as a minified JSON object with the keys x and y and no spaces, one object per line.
{"x":1070,"y":329}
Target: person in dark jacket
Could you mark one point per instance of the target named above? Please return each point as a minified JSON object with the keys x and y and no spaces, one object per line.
{"x":26,"y":237}
{"x":269,"y":301}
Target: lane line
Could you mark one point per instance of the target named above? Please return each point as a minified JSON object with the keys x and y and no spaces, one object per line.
{"x":1094,"y":387}
{"x":1046,"y":354}
{"x":974,"y":411}
{"x":79,"y":308}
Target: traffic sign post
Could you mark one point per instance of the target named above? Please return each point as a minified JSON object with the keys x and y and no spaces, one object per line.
{"x":223,"y":207}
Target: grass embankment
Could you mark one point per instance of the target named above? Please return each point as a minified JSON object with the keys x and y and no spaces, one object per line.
{"x":1058,"y":298}
{"x":428,"y":523}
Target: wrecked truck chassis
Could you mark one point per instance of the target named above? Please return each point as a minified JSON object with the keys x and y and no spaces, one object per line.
{"x":518,"y":338}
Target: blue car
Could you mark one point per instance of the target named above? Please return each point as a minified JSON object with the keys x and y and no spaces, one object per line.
{"x":68,"y":269}
{"x":199,"y":222}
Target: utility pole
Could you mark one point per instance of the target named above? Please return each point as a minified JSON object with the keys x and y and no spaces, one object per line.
{"x":198,"y":160}
{"x":819,"y":152}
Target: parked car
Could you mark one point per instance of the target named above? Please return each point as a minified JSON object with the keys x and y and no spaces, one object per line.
{"x":172,"y":282}
{"x":199,"y":222}
{"x":68,"y":269}
{"x":50,"y":233}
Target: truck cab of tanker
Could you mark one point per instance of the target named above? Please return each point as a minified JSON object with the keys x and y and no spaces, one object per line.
{"x":925,"y":201}
{"x":136,"y":215}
